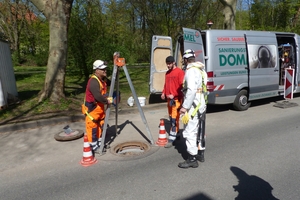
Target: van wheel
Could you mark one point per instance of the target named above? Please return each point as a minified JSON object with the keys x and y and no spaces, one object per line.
{"x":241,"y":101}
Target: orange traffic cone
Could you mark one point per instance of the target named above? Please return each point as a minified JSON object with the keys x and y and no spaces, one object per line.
{"x":162,"y":137}
{"x":88,"y":159}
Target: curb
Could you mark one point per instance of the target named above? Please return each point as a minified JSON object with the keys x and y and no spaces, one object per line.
{"x":73,"y":118}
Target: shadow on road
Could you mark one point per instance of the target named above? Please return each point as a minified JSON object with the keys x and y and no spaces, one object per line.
{"x":112,"y":132}
{"x":251,"y":187}
{"x":255,"y":103}
{"x":180,"y":145}
{"x":199,"y":196}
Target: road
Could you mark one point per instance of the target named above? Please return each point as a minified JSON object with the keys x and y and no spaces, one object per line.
{"x":250,"y":155}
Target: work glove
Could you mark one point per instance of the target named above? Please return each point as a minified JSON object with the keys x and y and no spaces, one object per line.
{"x":185,"y":118}
{"x":110,"y":99}
{"x":172,"y":102}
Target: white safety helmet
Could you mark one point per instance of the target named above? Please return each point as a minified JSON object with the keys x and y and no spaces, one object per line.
{"x":99,"y":64}
{"x":188,"y":54}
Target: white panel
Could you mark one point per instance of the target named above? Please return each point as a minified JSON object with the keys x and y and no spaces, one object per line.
{"x":3,"y":101}
{"x":7,"y":75}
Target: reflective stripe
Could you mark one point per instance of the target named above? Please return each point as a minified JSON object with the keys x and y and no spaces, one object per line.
{"x":96,"y":145}
{"x":86,"y":144}
{"x":162,"y":136}
{"x":93,"y":143}
{"x":87,"y":114}
{"x":94,"y":76}
{"x":87,"y":154}
{"x":172,"y":136}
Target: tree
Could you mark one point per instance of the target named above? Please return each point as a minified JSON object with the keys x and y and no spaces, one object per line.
{"x":57,"y":12}
{"x":229,"y":13}
{"x":105,"y":27}
{"x":15,"y":18}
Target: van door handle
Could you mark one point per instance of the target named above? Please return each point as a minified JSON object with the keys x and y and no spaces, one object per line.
{"x":246,"y":67}
{"x":276,"y":70}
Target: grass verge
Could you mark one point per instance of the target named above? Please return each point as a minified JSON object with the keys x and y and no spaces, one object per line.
{"x":30,"y":81}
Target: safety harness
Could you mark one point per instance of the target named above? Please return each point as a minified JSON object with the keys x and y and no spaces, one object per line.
{"x":202,"y":90}
{"x":86,"y":111}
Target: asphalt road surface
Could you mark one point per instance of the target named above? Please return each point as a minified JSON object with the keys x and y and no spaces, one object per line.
{"x":250,"y":155}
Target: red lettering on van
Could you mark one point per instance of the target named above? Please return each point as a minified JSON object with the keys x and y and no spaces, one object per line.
{"x":198,"y":52}
{"x":238,"y":39}
{"x":223,"y":39}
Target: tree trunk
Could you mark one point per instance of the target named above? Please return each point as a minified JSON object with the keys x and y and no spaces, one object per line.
{"x":229,"y":13}
{"x":57,"y":12}
{"x":296,"y":18}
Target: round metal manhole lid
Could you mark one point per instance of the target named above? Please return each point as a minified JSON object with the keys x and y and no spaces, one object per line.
{"x":130,"y":149}
{"x":62,"y":136}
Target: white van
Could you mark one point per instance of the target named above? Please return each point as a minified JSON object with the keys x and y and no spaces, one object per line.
{"x":241,"y":65}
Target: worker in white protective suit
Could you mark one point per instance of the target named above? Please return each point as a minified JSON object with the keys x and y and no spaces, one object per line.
{"x":194,"y":105}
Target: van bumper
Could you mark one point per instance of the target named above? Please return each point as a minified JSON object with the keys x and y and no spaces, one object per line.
{"x":221,"y":97}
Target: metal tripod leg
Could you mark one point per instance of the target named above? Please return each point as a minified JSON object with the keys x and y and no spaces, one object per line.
{"x":107,"y":112}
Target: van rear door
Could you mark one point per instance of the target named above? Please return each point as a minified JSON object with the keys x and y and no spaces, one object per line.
{"x":161,"y":49}
{"x":263,"y":69}
{"x":193,"y":40}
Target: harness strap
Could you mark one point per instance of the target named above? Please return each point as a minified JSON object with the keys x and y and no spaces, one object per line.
{"x":196,"y":108}
{"x":91,"y":118}
{"x":86,"y":111}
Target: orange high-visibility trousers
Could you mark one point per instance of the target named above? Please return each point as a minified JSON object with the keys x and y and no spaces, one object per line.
{"x":174,"y":114}
{"x":94,"y":129}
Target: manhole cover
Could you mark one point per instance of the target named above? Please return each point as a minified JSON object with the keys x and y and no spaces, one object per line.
{"x":285,"y":104}
{"x":133,"y":148}
{"x":62,"y":136}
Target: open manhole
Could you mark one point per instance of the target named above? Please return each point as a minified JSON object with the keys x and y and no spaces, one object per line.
{"x":129,"y":149}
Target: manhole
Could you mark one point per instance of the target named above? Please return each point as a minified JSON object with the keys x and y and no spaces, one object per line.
{"x":129,"y":149}
{"x":285,"y":104}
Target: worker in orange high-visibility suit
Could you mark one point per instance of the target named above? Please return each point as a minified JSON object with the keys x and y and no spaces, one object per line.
{"x":172,"y":91}
{"x":94,"y":105}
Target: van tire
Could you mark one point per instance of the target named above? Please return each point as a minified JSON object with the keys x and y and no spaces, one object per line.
{"x":241,"y":101}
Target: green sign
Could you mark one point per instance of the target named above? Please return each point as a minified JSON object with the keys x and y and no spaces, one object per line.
{"x":231,"y":73}
{"x":232,"y":56}
{"x":189,"y":37}
{"x":232,"y":59}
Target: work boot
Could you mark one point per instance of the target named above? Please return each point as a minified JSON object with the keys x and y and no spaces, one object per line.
{"x":200,"y":156}
{"x":190,"y":162}
{"x":169,"y":144}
